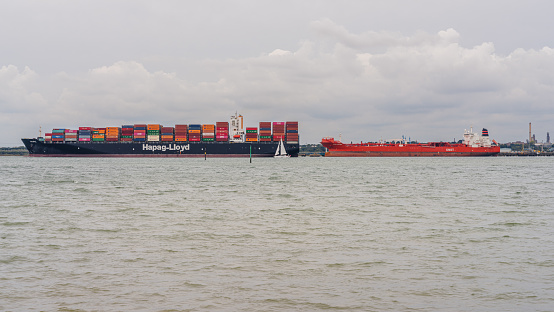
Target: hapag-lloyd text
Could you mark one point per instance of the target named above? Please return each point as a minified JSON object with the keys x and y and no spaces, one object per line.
{"x":166,"y":147}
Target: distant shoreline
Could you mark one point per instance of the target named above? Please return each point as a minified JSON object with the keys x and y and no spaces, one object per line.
{"x":13,"y":151}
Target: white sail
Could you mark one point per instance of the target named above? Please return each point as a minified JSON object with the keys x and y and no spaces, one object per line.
{"x":281,"y":151}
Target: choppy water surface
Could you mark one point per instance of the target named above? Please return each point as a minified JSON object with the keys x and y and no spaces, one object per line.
{"x":306,"y":234}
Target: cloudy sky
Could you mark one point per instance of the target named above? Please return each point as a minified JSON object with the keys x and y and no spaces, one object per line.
{"x":370,"y":70}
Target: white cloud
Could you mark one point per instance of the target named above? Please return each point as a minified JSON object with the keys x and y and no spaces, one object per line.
{"x":366,"y":86}
{"x":279,"y":52}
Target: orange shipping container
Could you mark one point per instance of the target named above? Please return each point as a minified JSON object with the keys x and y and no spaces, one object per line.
{"x":153,"y":127}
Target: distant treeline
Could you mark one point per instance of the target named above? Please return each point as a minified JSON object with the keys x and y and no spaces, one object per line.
{"x":517,"y":147}
{"x":312,"y":148}
{"x":13,"y":151}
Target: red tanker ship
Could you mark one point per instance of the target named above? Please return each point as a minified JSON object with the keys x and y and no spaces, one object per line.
{"x":473,"y":145}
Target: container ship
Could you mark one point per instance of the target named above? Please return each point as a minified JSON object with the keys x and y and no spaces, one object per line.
{"x":472,"y":145}
{"x":222,"y":139}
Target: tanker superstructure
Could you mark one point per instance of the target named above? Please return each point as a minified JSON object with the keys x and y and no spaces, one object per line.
{"x":472,"y":145}
{"x":222,"y":139}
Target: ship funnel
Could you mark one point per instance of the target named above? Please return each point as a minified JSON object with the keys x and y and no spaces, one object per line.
{"x":485,"y":132}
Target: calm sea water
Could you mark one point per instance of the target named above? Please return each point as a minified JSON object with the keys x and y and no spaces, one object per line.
{"x":306,"y":234}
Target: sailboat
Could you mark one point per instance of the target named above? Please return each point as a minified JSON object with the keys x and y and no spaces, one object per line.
{"x":281,"y":152}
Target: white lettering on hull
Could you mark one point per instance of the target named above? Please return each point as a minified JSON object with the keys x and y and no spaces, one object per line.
{"x":166,"y":147}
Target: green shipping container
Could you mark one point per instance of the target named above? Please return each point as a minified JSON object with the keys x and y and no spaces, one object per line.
{"x":208,"y":139}
{"x":98,"y":140}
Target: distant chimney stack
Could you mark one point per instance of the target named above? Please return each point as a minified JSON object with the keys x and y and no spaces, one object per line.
{"x":530,"y":137}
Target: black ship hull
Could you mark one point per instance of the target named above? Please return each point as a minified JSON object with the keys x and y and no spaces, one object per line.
{"x":155,"y":149}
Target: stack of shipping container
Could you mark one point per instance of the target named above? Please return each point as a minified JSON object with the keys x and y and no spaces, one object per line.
{"x":292,"y":132}
{"x":251,"y":134}
{"x":219,"y":132}
{"x":278,"y":131}
{"x":265,"y":131}
{"x":181,"y":133}
{"x":70,"y":135}
{"x":98,"y":134}
{"x":139,"y":133}
{"x":153,"y":133}
{"x":127,"y":133}
{"x":58,"y":135}
{"x":222,"y":131}
{"x":112,"y":134}
{"x":167,"y":134}
{"x":208,"y":133}
{"x":195,"y":133}
{"x":85,"y":134}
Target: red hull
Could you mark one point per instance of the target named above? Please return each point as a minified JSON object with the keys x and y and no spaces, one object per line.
{"x":435,"y":149}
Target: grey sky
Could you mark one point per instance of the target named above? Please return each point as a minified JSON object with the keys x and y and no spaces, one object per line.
{"x":366,"y":69}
